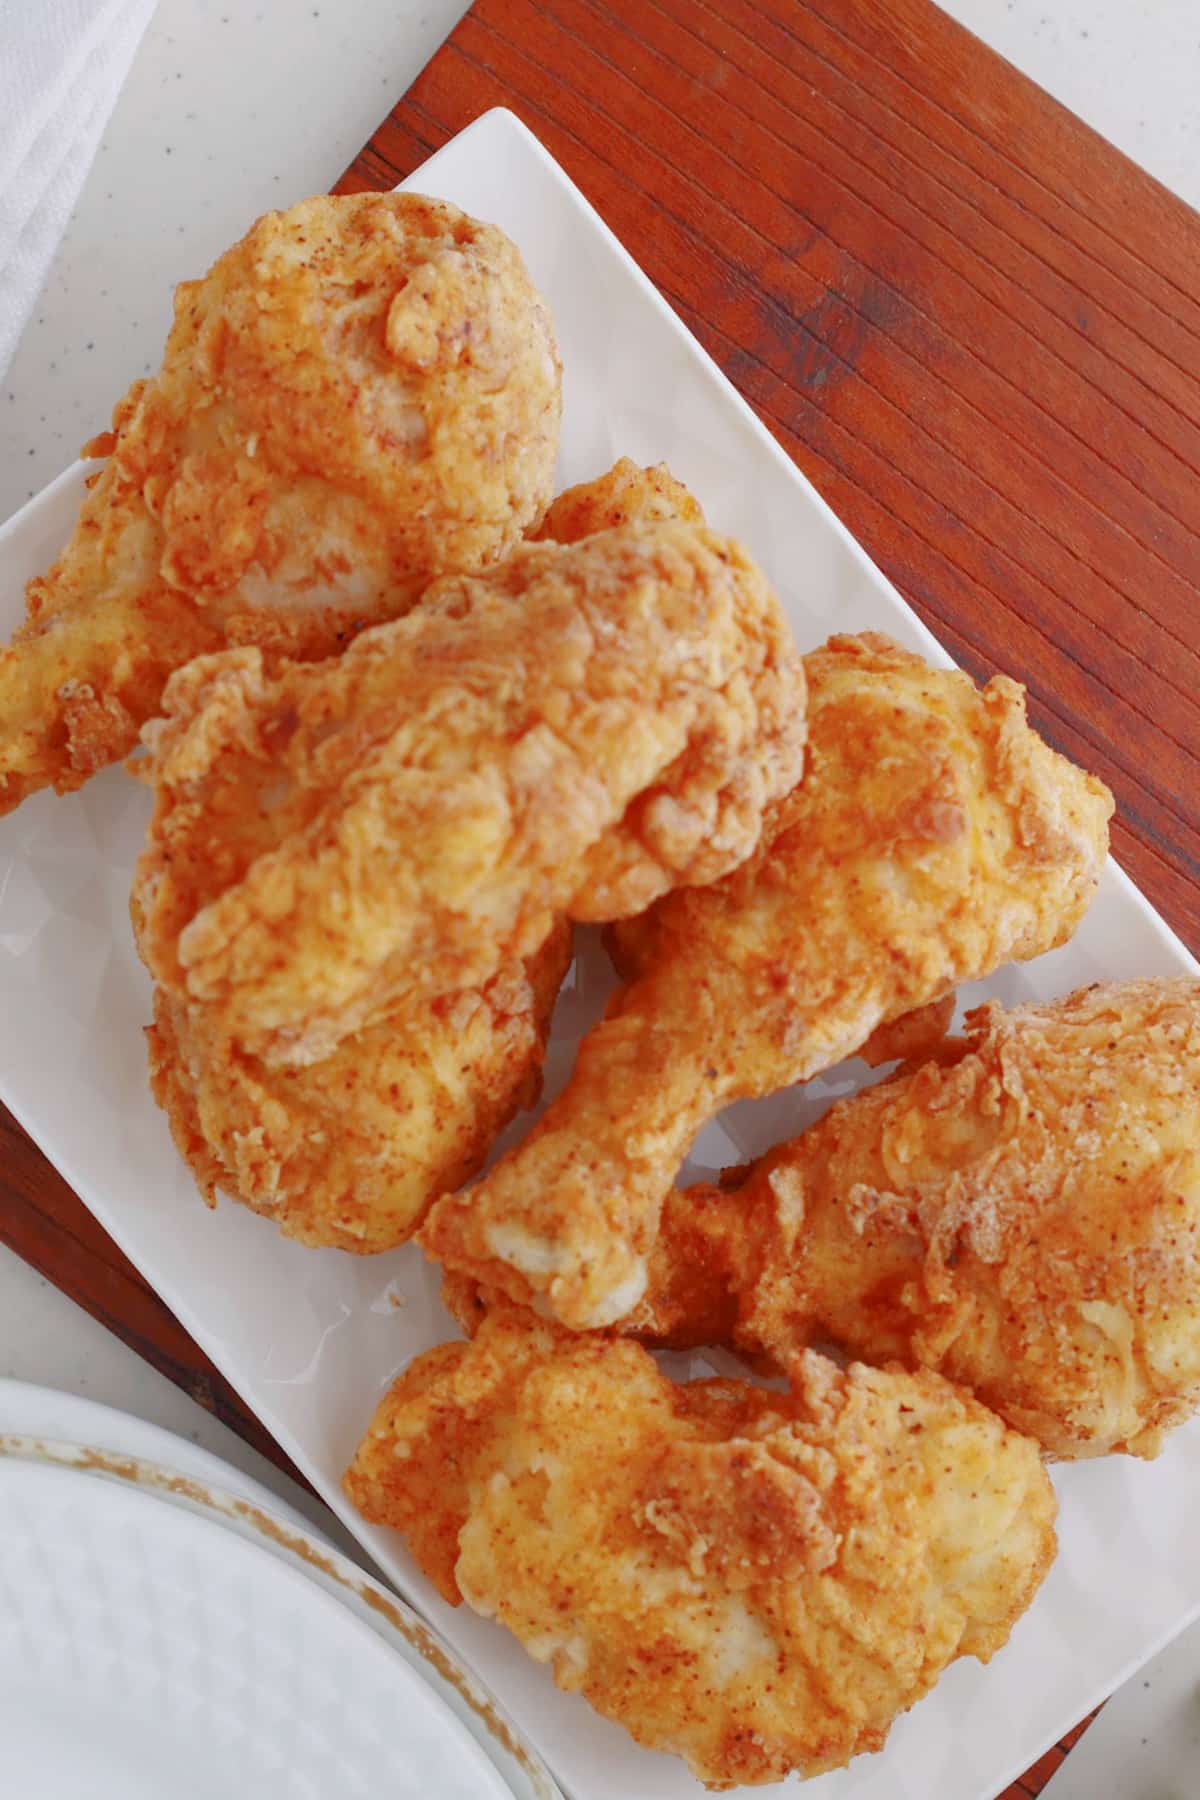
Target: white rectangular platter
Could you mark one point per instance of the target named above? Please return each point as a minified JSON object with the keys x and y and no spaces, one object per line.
{"x":312,"y":1338}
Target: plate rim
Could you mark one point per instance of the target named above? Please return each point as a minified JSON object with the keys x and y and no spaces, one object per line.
{"x":273,"y":1531}
{"x":102,"y":1427}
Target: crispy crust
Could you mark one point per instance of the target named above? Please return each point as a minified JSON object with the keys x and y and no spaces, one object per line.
{"x":1024,"y":1218}
{"x":573,"y":733}
{"x":361,"y":394}
{"x":623,"y":494}
{"x":756,"y":1582}
{"x":351,"y":1151}
{"x":933,"y":838}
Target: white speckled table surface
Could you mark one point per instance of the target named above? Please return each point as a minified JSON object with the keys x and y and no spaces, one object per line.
{"x":182,"y":171}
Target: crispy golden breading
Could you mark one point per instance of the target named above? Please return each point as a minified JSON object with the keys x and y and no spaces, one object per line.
{"x":623,"y":494}
{"x":934,"y":837}
{"x":756,"y":1582}
{"x":1025,"y":1219}
{"x":350,"y":1151}
{"x":361,"y":394}
{"x":573,"y":733}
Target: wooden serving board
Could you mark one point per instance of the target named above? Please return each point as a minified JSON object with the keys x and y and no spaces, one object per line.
{"x":973,"y":324}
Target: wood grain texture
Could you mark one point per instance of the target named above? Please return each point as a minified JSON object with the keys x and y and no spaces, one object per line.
{"x":973,"y":324}
{"x":1034,"y":1780}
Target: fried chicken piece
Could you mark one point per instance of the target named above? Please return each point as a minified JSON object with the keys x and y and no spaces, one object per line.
{"x":756,"y":1582}
{"x":350,"y":1151}
{"x":1026,"y":1220}
{"x":934,"y":837}
{"x":624,"y":494}
{"x":572,"y":733}
{"x":360,"y":395}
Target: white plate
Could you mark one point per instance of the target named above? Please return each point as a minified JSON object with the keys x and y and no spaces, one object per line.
{"x":46,"y":1415}
{"x":192,"y":1481}
{"x":146,"y":1649}
{"x":31,"y":1411}
{"x":312,"y":1338}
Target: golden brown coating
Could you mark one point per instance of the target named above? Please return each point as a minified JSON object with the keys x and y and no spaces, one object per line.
{"x":361,"y":394}
{"x":350,"y":1151}
{"x":572,"y":733}
{"x":1025,"y":1220}
{"x":934,"y":837}
{"x":756,"y":1582}
{"x":623,"y":494}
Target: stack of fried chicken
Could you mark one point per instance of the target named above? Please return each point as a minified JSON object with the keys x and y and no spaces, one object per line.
{"x":407,"y":719}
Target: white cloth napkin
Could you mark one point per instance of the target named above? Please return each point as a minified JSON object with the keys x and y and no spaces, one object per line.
{"x":62,"y":63}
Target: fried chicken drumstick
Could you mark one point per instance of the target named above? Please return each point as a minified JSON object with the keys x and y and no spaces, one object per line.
{"x":361,"y":394}
{"x":756,"y":1582}
{"x":1024,"y":1218}
{"x":570,"y":734}
{"x":934,"y":837}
